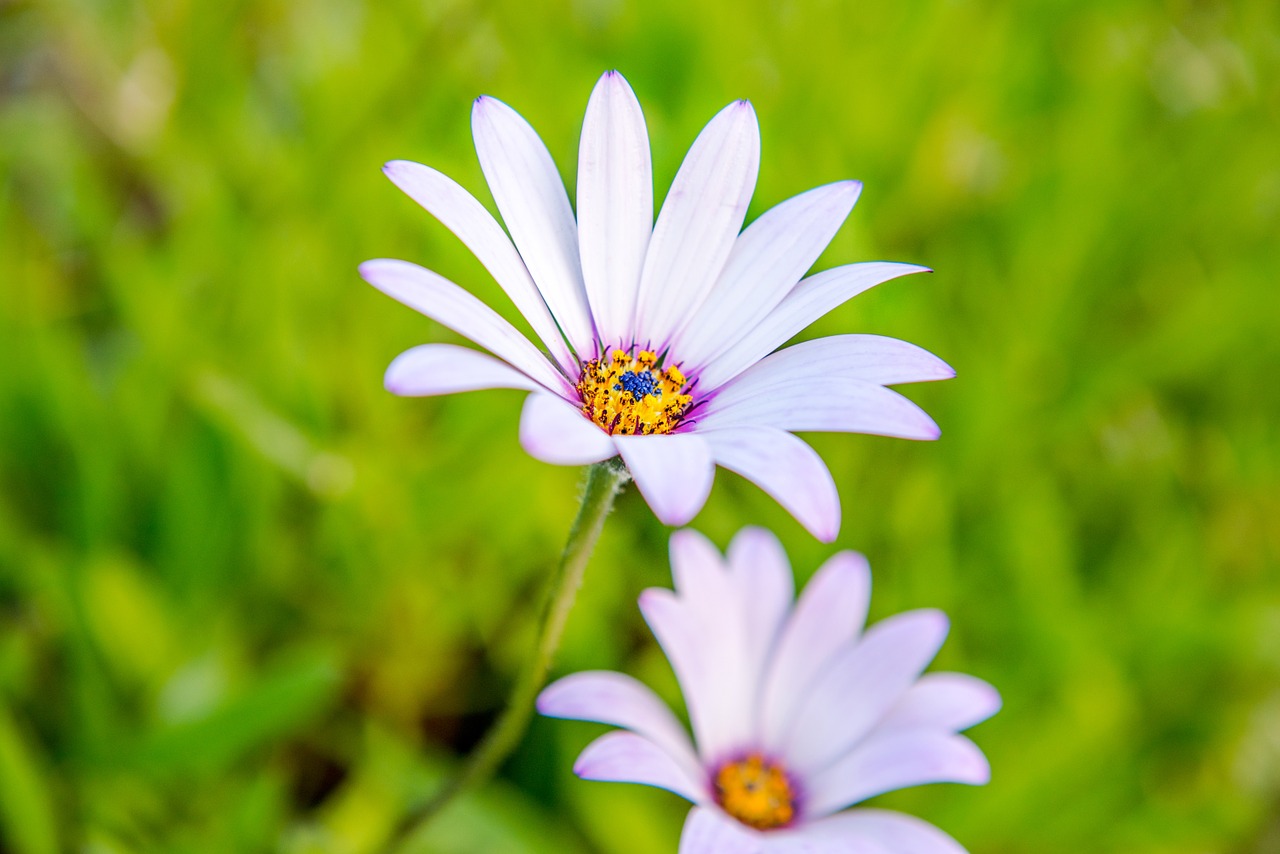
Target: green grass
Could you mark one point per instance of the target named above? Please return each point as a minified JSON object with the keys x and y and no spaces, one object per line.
{"x":250,"y":601}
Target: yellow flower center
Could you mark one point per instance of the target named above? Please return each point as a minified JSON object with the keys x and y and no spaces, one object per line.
{"x":630,"y":395}
{"x":755,"y":792}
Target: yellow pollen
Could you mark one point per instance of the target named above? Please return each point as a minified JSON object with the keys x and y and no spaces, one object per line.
{"x":755,"y":792}
{"x":629,"y":395}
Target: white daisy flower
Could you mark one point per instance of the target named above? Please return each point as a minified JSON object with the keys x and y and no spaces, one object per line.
{"x":796,"y":712}
{"x":655,"y":337}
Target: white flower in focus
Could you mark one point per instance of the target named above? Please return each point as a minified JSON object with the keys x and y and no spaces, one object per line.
{"x":655,"y":338}
{"x":796,"y":711}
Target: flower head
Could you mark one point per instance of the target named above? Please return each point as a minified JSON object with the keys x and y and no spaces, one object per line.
{"x":796,"y":711}
{"x":655,"y":337}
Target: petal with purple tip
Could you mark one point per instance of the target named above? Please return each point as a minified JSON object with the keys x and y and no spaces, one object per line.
{"x":766,"y":262}
{"x":531,"y":197}
{"x":699,"y":222}
{"x":461,"y":213}
{"x":615,"y":205}
{"x":809,"y":300}
{"x":945,"y":701}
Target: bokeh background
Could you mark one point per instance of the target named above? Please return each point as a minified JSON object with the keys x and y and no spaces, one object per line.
{"x":249,"y":601}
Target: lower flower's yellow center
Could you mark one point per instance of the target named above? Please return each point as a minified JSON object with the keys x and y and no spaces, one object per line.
{"x":755,"y":792}
{"x":631,"y":395}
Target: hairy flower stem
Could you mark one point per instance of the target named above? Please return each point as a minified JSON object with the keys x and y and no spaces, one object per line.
{"x":603,"y":483}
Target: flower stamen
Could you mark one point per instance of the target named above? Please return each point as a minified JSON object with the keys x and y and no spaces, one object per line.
{"x":629,"y":395}
{"x":755,"y":792}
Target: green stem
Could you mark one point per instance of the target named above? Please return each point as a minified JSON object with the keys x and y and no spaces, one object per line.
{"x":604,"y":481}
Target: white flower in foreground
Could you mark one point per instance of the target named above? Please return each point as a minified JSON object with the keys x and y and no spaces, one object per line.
{"x":657,"y":335}
{"x":796,"y":712}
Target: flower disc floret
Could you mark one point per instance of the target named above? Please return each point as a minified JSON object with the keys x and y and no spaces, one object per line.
{"x":755,"y":792}
{"x":631,"y":395}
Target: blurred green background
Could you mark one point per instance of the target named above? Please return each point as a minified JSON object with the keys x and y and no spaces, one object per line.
{"x":249,"y":601}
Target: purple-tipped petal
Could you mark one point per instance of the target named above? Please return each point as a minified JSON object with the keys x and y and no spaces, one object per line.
{"x":827,"y":619}
{"x":431,"y":369}
{"x":461,"y":213}
{"x":673,"y":472}
{"x":896,"y":760}
{"x":811,"y":402}
{"x":786,"y":468}
{"x":619,"y":700}
{"x":448,"y":304}
{"x":699,"y":221}
{"x":709,"y":831}
{"x":865,"y":358}
{"x":615,"y":205}
{"x":767,"y":261}
{"x":856,"y":690}
{"x":944,"y":701}
{"x":556,"y":432}
{"x":624,"y":757}
{"x":890,"y":832}
{"x":534,"y":205}
{"x":809,"y":300}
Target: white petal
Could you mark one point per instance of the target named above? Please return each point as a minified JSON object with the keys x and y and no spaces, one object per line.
{"x":786,"y":468}
{"x":534,"y":205}
{"x":700,"y":219}
{"x":865,"y":358}
{"x":767,"y":261}
{"x":699,"y":643}
{"x":828,"y":617}
{"x":698,"y":570}
{"x":446,"y":368}
{"x":812,"y":402}
{"x":624,"y":757}
{"x":556,"y":432}
{"x":619,"y":700}
{"x":615,"y":205}
{"x":765,"y":587}
{"x":896,"y":760}
{"x":945,"y":701}
{"x":673,"y":472}
{"x":461,"y":213}
{"x":809,"y":300}
{"x":448,"y":304}
{"x":860,"y":686}
{"x":891,"y":832}
{"x":709,"y":831}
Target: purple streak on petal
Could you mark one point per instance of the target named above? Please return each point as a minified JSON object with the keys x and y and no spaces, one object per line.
{"x":556,"y":432}
{"x":462,"y":214}
{"x":431,"y":369}
{"x":896,"y":760}
{"x":786,"y":468}
{"x":624,"y":757}
{"x":809,"y":300}
{"x":673,"y":472}
{"x":864,"y":358}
